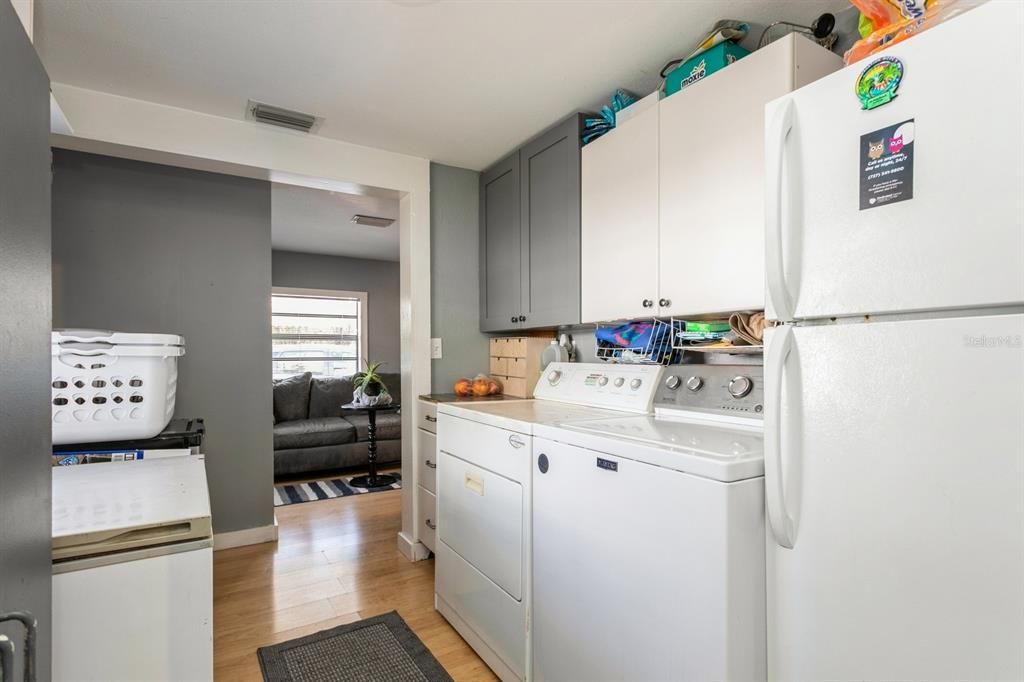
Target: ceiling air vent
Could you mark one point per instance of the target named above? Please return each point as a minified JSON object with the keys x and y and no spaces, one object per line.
{"x":276,"y":116}
{"x":372,"y":220}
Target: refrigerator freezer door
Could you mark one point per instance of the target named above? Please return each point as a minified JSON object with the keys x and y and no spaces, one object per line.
{"x":903,"y":464}
{"x":958,"y":242}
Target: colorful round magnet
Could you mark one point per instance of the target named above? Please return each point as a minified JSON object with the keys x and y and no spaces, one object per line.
{"x":878,"y":82}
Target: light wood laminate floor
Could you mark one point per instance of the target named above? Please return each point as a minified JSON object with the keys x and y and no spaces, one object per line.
{"x":336,"y":561}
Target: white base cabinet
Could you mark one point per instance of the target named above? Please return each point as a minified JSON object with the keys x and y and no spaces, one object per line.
{"x":426,"y":474}
{"x":672,"y":202}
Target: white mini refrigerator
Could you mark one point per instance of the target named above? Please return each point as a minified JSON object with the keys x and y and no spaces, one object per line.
{"x":133,"y":572}
{"x":894,"y":417}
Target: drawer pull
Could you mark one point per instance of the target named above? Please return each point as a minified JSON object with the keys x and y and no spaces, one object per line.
{"x":431,"y":465}
{"x":430,"y":419}
{"x":516,"y":441}
{"x":473,"y":485}
{"x":431,"y":525}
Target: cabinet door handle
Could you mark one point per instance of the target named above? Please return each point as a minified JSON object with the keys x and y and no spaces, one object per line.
{"x":664,"y":302}
{"x":648,"y":303}
{"x":516,"y":441}
{"x":431,"y":465}
{"x":522,"y":318}
{"x":430,"y":419}
{"x":31,"y":626}
{"x":513,"y":319}
{"x":430,"y":524}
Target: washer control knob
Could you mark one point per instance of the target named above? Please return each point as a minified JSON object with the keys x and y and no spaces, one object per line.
{"x":694,"y":384}
{"x":673,"y":382}
{"x":619,"y":381}
{"x":554,"y":376}
{"x":740,"y":386}
{"x":603,"y":381}
{"x":636,"y":383}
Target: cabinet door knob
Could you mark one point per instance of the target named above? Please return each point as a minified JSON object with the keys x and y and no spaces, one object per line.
{"x":648,"y":303}
{"x":513,"y":319}
{"x":664,"y":302}
{"x":522,"y":318}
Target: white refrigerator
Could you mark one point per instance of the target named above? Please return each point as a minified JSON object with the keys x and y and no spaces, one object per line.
{"x":894,"y":420}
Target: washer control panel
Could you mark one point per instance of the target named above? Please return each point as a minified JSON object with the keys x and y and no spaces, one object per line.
{"x":721,"y":389}
{"x":622,"y":387}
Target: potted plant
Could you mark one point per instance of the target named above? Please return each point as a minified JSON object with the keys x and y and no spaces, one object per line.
{"x":369,"y":388}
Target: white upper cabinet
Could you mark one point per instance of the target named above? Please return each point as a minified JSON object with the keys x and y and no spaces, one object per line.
{"x":619,"y":246}
{"x":703,"y":168}
{"x":712,"y":178}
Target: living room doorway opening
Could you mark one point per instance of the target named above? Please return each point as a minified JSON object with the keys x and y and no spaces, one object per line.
{"x":335,"y":343}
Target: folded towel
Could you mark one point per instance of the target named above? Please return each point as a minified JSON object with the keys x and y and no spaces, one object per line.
{"x":749,"y":327}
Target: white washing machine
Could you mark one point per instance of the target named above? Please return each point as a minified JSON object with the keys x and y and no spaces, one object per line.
{"x":485,"y":456}
{"x":648,"y":537}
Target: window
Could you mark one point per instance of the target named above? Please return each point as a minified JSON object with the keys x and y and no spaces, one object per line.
{"x":316,"y":331}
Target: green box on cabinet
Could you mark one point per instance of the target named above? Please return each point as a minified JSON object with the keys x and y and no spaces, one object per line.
{"x":700,"y":66}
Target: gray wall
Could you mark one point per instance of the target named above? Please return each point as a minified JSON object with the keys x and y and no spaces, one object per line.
{"x":143,"y":247}
{"x":378,"y":278}
{"x":25,"y":510}
{"x":454,"y":275}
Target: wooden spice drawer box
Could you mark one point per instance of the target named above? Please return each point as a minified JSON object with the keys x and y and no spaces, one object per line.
{"x":515,"y":362}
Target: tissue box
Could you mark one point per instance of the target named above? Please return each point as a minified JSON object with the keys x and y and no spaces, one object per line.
{"x":700,"y":66}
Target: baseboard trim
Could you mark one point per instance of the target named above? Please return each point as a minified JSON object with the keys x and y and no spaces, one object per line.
{"x":413,"y":550}
{"x":246,"y":536}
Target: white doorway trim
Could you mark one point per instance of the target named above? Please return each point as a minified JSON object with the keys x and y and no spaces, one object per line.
{"x":145,"y":131}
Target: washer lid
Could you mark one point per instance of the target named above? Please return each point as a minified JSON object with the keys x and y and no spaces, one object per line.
{"x":713,"y":451}
{"x":522,"y":415}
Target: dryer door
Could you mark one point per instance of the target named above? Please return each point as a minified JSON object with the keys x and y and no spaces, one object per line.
{"x":480,"y":516}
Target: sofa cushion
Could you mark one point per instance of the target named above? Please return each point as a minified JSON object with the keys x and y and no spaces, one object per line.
{"x":291,"y":398}
{"x":389,"y":425}
{"x":327,"y":395}
{"x":309,"y":433}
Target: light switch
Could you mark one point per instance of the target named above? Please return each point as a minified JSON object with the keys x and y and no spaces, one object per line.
{"x":435,"y":349}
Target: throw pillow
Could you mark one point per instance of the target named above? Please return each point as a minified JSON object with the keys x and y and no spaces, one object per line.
{"x":291,"y":398}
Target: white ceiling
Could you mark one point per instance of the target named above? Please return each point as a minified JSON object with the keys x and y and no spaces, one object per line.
{"x":453,"y":81}
{"x":317,"y":221}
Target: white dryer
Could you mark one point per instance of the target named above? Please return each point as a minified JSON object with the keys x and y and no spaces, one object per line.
{"x":485,"y":456}
{"x":648,"y":537}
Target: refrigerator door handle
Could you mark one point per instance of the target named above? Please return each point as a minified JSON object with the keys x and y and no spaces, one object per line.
{"x":779,"y":518}
{"x":775,"y":156}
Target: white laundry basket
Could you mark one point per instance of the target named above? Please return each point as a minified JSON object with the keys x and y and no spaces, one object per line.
{"x":112,"y":385}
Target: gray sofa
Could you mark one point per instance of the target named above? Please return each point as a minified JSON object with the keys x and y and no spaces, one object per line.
{"x":311,"y":434}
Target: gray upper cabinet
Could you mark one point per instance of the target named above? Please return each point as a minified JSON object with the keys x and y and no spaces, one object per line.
{"x":530,"y":233}
{"x":500,"y":245}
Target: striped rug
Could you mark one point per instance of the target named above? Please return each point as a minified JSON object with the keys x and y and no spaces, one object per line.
{"x":326,"y":489}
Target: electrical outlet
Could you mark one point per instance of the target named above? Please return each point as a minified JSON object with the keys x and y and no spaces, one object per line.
{"x":435,"y":349}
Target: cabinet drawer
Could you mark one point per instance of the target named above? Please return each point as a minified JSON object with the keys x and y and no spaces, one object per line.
{"x":515,"y":387}
{"x":499,"y":347}
{"x":426,"y":455}
{"x":499,"y":366}
{"x":517,"y":347}
{"x":516,"y":368}
{"x":428,"y":416}
{"x":427,"y":503}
